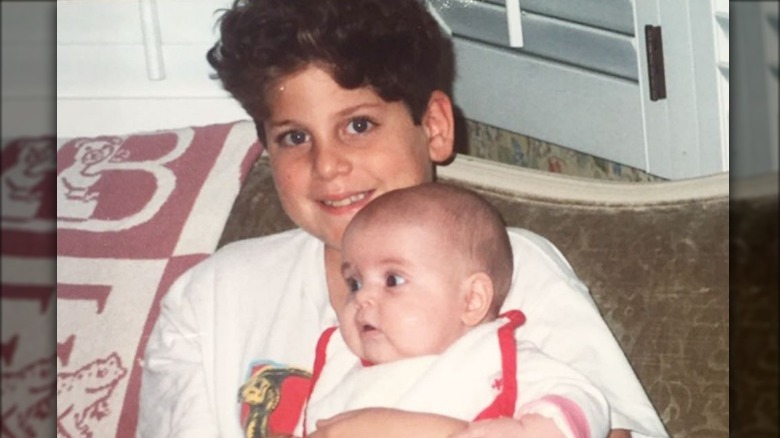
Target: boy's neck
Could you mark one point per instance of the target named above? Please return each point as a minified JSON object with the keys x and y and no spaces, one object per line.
{"x":337,"y":288}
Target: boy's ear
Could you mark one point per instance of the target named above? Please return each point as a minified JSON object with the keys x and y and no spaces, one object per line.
{"x":439,"y":124}
{"x":479,"y":298}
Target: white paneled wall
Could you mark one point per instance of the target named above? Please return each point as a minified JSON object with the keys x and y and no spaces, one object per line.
{"x":769,"y":27}
{"x":721,"y":29}
{"x":582,"y":77}
{"x":105,"y":82}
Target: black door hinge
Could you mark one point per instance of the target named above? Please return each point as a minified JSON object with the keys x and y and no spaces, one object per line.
{"x":655,"y":62}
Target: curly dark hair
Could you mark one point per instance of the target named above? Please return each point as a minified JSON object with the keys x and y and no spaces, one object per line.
{"x":393,"y":46}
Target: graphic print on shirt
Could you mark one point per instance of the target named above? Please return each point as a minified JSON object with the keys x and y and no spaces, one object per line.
{"x":272,"y":399}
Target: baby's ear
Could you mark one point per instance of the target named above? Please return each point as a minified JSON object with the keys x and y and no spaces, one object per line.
{"x":478,"y":300}
{"x":439,"y":124}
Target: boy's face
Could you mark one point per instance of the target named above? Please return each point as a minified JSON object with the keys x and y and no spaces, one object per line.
{"x":333,"y":150}
{"x":407,"y":291}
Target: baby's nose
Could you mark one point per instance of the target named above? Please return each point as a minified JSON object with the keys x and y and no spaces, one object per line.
{"x":364,"y":297}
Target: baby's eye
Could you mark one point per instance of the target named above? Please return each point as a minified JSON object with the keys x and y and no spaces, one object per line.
{"x":292,"y":138}
{"x":359,"y":125}
{"x":353,"y":284}
{"x":394,"y":280}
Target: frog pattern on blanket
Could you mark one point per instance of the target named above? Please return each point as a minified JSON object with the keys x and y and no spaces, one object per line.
{"x":83,"y":395}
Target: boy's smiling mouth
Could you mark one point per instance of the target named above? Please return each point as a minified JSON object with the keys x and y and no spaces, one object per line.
{"x":347,"y":200}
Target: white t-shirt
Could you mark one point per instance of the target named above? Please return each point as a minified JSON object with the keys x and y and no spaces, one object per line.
{"x":262,"y":303}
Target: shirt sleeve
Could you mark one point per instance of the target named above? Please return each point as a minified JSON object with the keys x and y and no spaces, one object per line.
{"x":554,"y":390}
{"x":565,"y":324}
{"x":174,"y":399}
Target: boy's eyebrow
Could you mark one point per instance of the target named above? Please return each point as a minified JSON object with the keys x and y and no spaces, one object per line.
{"x":280,"y":122}
{"x":355,"y":108}
{"x":340,"y":113}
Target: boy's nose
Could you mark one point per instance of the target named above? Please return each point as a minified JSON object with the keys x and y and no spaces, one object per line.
{"x":330,"y":161}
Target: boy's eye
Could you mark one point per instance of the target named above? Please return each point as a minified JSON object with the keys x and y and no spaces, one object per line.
{"x":359,"y":125}
{"x":292,"y":138}
{"x":353,"y":284}
{"x":394,"y":280}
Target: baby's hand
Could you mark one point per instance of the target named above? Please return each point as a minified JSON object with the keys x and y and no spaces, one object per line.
{"x":532,"y":425}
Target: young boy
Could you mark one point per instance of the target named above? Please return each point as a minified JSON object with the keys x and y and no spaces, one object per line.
{"x":350,"y":98}
{"x":428,"y":268}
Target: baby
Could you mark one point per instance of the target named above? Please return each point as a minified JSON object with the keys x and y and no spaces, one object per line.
{"x":428,"y":268}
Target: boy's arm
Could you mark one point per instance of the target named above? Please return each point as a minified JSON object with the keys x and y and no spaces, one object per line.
{"x":392,"y":423}
{"x":387,"y":423}
{"x":529,"y":426}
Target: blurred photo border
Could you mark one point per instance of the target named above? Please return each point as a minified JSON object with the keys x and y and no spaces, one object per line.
{"x":29,"y":78}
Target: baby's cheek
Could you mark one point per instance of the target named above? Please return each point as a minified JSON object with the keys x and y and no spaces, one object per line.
{"x":345,"y":313}
{"x":348,"y":330}
{"x":352,"y":339}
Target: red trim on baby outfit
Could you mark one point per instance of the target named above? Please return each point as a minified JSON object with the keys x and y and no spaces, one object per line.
{"x":504,"y":403}
{"x":319,"y":364}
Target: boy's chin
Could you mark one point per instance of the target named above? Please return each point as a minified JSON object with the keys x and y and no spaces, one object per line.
{"x":331,"y":237}
{"x":332,"y":243}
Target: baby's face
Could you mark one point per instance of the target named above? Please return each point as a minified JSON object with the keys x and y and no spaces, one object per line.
{"x":407,"y":292}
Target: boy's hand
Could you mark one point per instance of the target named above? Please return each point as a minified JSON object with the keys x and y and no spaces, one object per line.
{"x":532,"y":425}
{"x":386,"y":423}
